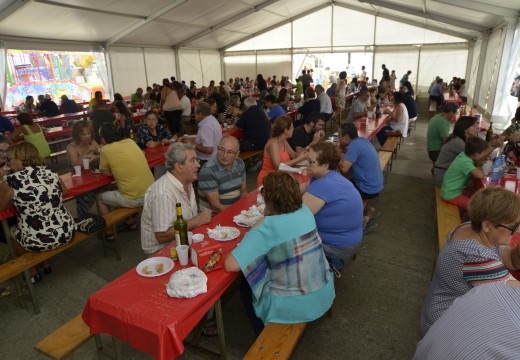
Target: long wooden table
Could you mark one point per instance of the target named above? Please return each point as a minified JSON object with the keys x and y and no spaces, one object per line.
{"x":138,"y":311}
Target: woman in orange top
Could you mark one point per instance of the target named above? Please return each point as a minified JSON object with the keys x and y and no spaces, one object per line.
{"x":277,"y":150}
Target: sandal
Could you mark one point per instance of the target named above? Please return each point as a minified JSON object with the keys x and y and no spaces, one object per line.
{"x":110,"y":238}
{"x":36,"y":278}
{"x":124,"y":227}
{"x":210,"y":329}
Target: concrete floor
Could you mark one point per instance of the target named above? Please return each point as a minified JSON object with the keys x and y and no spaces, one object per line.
{"x":378,"y":303}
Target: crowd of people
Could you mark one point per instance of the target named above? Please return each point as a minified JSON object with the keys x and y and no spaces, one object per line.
{"x":205,"y":174}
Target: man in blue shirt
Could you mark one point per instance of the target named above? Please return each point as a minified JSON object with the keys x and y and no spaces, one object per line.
{"x":275,"y":110}
{"x":362,"y":161}
{"x":5,"y":125}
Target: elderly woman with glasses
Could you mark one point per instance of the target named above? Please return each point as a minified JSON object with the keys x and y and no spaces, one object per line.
{"x":476,"y":252}
{"x":282,"y":259}
{"x":335,"y":203}
{"x":152,"y":134}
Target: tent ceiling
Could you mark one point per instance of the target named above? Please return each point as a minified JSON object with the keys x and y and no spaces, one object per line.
{"x":215,"y":24}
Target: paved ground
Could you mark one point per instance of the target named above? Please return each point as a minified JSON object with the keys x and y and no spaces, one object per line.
{"x":379,"y":297}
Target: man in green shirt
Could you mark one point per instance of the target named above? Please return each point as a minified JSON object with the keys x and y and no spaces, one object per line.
{"x":137,"y":98}
{"x":453,"y":189}
{"x":439,"y":129}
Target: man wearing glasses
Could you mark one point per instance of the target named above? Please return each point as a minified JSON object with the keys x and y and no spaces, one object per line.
{"x":222,"y":180}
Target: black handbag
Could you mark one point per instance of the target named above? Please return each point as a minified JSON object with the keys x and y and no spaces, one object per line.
{"x":90,"y":223}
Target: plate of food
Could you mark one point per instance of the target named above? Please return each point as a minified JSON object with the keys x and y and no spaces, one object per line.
{"x":248,"y":218}
{"x":223,"y":233}
{"x":155,"y":266}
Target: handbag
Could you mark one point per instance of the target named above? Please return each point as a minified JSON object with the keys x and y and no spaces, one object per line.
{"x":90,"y":223}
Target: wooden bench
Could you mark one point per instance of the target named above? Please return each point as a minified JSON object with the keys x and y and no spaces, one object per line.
{"x":23,"y":263}
{"x":276,"y":341}
{"x":249,"y":154}
{"x":54,"y":156}
{"x":65,"y":340}
{"x":448,"y":217}
{"x":391,"y":145}
{"x":385,"y":161}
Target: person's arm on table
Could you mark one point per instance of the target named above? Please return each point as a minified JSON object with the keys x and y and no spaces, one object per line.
{"x":214,"y":201}
{"x":17,"y":134}
{"x":344,"y":166}
{"x":164,"y":237}
{"x":314,"y":203}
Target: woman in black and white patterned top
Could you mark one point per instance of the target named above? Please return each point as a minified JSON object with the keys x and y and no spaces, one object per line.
{"x":34,"y":190}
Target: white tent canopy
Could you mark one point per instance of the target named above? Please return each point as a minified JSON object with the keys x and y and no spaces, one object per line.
{"x":145,"y":41}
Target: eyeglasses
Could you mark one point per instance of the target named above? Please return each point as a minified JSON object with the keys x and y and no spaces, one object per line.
{"x":513,"y":229}
{"x":312,"y":161}
{"x":227,"y":152}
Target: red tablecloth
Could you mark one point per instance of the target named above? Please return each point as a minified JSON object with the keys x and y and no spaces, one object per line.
{"x":370,"y":129}
{"x":58,"y":119}
{"x":452,"y":98}
{"x":58,"y":132}
{"x":138,"y":311}
{"x":155,"y":156}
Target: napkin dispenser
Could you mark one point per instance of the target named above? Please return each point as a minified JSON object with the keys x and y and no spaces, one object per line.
{"x":210,"y":254}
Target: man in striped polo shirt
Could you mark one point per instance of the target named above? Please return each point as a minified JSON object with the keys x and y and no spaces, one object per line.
{"x":222,"y":180}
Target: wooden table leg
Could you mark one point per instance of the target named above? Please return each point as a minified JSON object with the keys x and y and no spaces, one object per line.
{"x":220,"y":329}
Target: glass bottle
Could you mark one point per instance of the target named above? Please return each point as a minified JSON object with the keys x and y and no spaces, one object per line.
{"x":489,"y":133}
{"x":181,"y":227}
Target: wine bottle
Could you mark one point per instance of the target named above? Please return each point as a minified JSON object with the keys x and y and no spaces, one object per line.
{"x":181,"y":227}
{"x":489,"y":133}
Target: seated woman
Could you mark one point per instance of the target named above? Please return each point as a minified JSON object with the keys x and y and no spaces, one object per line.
{"x":232,"y":113}
{"x":454,"y":185}
{"x":353,"y":86}
{"x":152,"y":134}
{"x":282,"y":99}
{"x":277,"y":150}
{"x":397,"y":120}
{"x":123,"y":119}
{"x":282,"y":260}
{"x":32,"y":133}
{"x":464,"y":128}
{"x":83,"y":146}
{"x":4,"y":148}
{"x":335,"y":203}
{"x":35,"y":191}
{"x":476,"y":252}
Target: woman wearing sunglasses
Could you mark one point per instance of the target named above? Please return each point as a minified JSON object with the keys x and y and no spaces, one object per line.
{"x":476,"y":252}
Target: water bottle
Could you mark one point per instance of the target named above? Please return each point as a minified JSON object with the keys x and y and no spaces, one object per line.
{"x":498,"y":168}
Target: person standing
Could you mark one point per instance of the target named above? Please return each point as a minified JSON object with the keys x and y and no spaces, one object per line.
{"x":386,"y":73}
{"x":405,"y":78}
{"x":209,"y":134}
{"x":325,"y":103}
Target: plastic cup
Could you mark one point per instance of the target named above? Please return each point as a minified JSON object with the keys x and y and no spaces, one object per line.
{"x":77,"y":170}
{"x":182,"y":254}
{"x":86,"y":164}
{"x":486,"y":168}
{"x":196,"y":238}
{"x":190,"y":237}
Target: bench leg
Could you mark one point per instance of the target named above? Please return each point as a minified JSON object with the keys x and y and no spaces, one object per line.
{"x":32,"y":295}
{"x":119,"y":355}
{"x":220,"y":328}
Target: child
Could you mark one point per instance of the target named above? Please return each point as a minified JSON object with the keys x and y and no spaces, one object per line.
{"x":453,"y":189}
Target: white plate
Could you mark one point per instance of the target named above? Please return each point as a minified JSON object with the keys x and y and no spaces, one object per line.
{"x":231,"y":233}
{"x":244,"y":221}
{"x":152,"y":263}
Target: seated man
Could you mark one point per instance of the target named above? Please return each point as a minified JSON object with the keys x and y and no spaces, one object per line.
{"x":222,"y":180}
{"x":439,"y":129}
{"x":28,"y":106}
{"x":325,"y":103}
{"x":5,"y":125}
{"x":137,"y":98}
{"x":49,"y":107}
{"x":68,"y":106}
{"x":311,"y":104}
{"x":275,"y":110}
{"x":100,"y":116}
{"x":362,"y":161}
{"x":176,"y":186}
{"x":453,"y":189}
{"x":359,"y":107}
{"x":310,"y":133}
{"x":98,"y":96}
{"x":255,"y":125}
{"x":125,"y":161}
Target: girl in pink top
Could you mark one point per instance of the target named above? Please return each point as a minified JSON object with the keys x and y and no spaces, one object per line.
{"x":277,"y":150}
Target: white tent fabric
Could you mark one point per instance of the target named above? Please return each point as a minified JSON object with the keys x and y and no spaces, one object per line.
{"x":196,"y":38}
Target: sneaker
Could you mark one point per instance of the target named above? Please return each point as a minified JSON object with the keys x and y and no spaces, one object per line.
{"x":370,"y":227}
{"x":255,"y":167}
